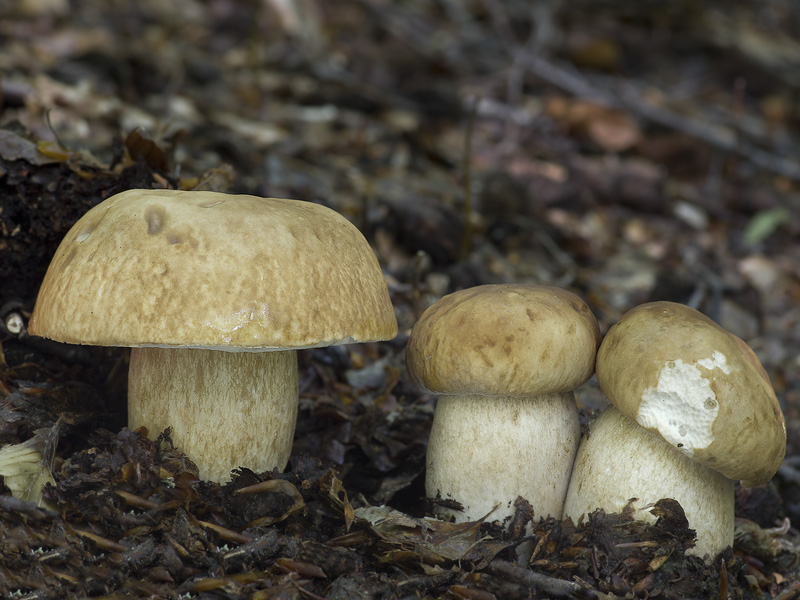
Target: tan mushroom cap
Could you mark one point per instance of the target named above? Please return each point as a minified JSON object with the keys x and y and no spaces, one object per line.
{"x":504,"y":340}
{"x":205,"y":269}
{"x":676,"y":372}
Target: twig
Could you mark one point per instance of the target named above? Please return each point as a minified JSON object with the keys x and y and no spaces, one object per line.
{"x":101,"y":542}
{"x":13,"y":505}
{"x":627,"y":97}
{"x":542,"y":16}
{"x":466,"y":236}
{"x":549,"y":585}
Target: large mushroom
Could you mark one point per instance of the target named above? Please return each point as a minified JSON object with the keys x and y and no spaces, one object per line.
{"x":214,"y":292}
{"x":504,"y":360}
{"x":694,"y":412}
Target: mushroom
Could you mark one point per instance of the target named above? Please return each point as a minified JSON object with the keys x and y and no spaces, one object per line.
{"x":694,"y":412}
{"x":504,"y":360}
{"x":214,"y":293}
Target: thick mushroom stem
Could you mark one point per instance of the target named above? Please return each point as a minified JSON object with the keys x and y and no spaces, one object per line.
{"x":485,"y":451}
{"x":226,"y":409}
{"x":619,"y":460}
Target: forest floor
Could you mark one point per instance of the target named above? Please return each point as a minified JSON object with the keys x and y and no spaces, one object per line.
{"x":628,"y":152}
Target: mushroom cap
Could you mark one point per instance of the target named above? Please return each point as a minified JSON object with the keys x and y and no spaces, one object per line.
{"x":204,"y":269}
{"x":504,"y":340}
{"x":677,"y":373}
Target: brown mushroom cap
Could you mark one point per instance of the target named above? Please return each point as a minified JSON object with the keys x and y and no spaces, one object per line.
{"x":676,"y":372}
{"x":504,"y":340}
{"x":205,"y":269}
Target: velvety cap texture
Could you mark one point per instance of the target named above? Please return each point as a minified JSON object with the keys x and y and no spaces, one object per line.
{"x":504,"y":339}
{"x":205,"y":269}
{"x":676,"y":372}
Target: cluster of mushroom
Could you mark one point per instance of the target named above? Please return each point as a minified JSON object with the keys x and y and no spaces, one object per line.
{"x":692,"y":409}
{"x":692,"y":412}
{"x":215,"y":292}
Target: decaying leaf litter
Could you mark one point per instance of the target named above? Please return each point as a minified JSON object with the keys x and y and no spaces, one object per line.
{"x":627,"y":153}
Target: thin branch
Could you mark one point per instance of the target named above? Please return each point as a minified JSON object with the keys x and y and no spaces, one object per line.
{"x":549,"y":585}
{"x":627,"y":97}
{"x":466,"y":166}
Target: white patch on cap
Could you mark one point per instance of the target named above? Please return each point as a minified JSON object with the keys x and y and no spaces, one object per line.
{"x":683,"y":407}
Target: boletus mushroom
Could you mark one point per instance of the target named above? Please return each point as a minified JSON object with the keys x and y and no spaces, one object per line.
{"x":693,"y":411}
{"x":214,"y":293}
{"x":504,"y":360}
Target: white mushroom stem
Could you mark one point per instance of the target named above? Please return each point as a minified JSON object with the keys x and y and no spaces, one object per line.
{"x":226,"y":409}
{"x":620,"y":460}
{"x":485,"y":451}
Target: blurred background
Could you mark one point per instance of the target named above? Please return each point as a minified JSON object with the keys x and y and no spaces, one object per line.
{"x":626,"y":151}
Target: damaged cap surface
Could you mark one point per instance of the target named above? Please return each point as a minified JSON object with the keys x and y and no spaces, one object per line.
{"x":676,"y":372}
{"x":504,"y":339}
{"x":205,"y":269}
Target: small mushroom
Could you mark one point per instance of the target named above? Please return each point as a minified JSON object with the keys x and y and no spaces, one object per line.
{"x":214,"y":292}
{"x":694,"y":412}
{"x":504,"y":360}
